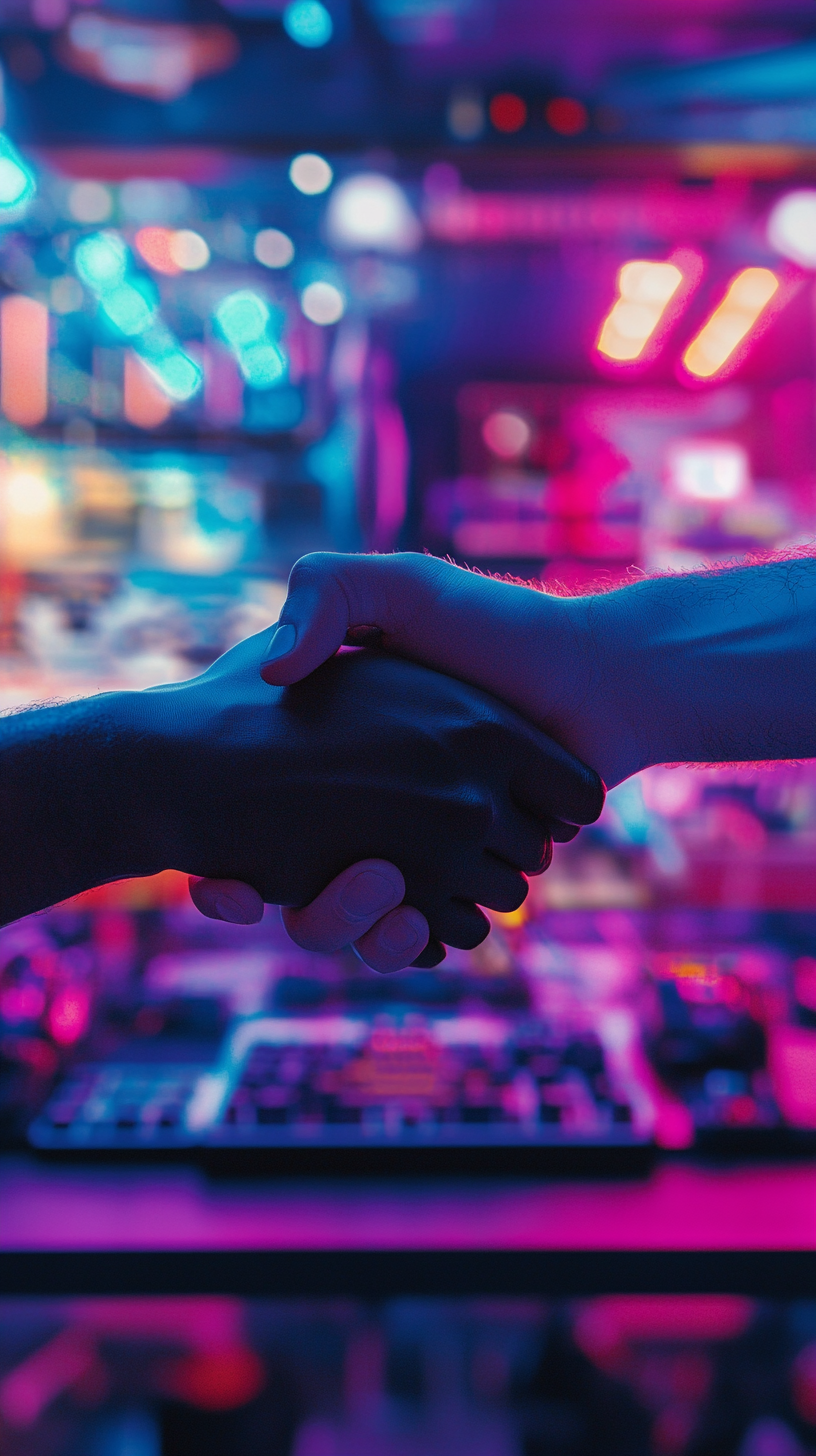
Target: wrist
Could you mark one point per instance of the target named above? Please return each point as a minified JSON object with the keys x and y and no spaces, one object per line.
{"x":593,"y":670}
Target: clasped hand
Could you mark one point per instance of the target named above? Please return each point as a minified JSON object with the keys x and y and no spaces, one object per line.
{"x":380,"y":763}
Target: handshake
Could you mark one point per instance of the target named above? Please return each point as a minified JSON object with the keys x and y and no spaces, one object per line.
{"x":382,"y":795}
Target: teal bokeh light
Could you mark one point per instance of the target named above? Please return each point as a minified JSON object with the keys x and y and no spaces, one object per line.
{"x":248,"y":324}
{"x":128,"y":309}
{"x":130,"y":306}
{"x":243,"y":318}
{"x":17,"y":181}
{"x":308,"y":23}
{"x":101,"y":261}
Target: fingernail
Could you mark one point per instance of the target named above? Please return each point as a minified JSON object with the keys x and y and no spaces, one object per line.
{"x":233,"y":909}
{"x":367,"y":893}
{"x":282,"y":641}
{"x":399,"y":934}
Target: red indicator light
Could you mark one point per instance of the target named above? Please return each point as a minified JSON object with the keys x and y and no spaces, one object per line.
{"x":508,"y":112}
{"x":566,"y":115}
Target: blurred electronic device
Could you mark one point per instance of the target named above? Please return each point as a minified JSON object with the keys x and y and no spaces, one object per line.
{"x":347,"y":1069}
{"x":569,"y":1039}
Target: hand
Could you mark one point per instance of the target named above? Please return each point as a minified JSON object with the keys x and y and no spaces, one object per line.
{"x":708,"y":666}
{"x":552,"y":658}
{"x":363,"y":908}
{"x":372,"y":757}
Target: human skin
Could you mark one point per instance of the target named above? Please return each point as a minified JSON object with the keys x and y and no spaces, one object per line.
{"x":710,"y":666}
{"x":283,"y":790}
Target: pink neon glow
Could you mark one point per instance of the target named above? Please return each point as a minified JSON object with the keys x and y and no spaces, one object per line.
{"x":145,"y":404}
{"x":31,"y":1386}
{"x":527,"y":217}
{"x":391,"y":440}
{"x":155,"y":246}
{"x":678,"y":1207}
{"x":603,"y":1325}
{"x":23,"y":359}
{"x":68,"y":1015}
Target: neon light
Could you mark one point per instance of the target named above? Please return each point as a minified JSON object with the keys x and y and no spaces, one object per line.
{"x":308,"y":23}
{"x":372,"y":211}
{"x":23,"y":359}
{"x":749,"y":294}
{"x":709,"y":470}
{"x":644,"y":290}
{"x":17,"y":185}
{"x":155,"y":246}
{"x":102,"y":262}
{"x":322,"y":303}
{"x":145,"y":405}
{"x":792,"y":227}
{"x":128,"y":309}
{"x":273,"y":248}
{"x":566,"y":115}
{"x":189,"y":250}
{"x":310,"y":173}
{"x":68,"y":1014}
{"x":244,"y":319}
{"x":507,"y":111}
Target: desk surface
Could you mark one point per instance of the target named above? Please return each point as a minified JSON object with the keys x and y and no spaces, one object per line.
{"x":679,"y":1206}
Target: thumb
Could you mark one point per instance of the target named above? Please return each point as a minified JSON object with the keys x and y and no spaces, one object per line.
{"x":313,"y":623}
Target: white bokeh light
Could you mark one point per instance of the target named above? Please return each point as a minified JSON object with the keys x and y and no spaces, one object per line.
{"x":372,"y":211}
{"x":506,"y":434}
{"x":273,"y":248}
{"x":792,"y":227}
{"x":709,"y":470}
{"x":310,"y":173}
{"x":90,"y":202}
{"x":188,"y":250}
{"x":323,"y":303}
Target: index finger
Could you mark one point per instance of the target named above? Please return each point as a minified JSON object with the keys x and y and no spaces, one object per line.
{"x":549,"y":782}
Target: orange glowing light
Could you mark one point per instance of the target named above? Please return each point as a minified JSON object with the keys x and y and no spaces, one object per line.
{"x":23,"y":359}
{"x":645,"y":288}
{"x":748,"y":296}
{"x":155,"y":244}
{"x":145,"y":404}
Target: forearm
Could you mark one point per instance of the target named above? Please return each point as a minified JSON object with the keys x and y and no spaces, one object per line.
{"x":713,"y":666}
{"x":77,"y":802}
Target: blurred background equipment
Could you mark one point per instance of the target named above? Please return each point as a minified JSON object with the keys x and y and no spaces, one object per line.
{"x":632,"y":1375}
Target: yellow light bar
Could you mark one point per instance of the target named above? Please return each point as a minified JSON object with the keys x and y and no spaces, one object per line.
{"x":644,"y":290}
{"x":749,"y":293}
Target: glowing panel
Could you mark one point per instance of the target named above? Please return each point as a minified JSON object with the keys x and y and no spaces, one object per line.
{"x":23,"y":359}
{"x":644,"y":290}
{"x":145,"y":404}
{"x":731,"y":322}
{"x":709,"y":470}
